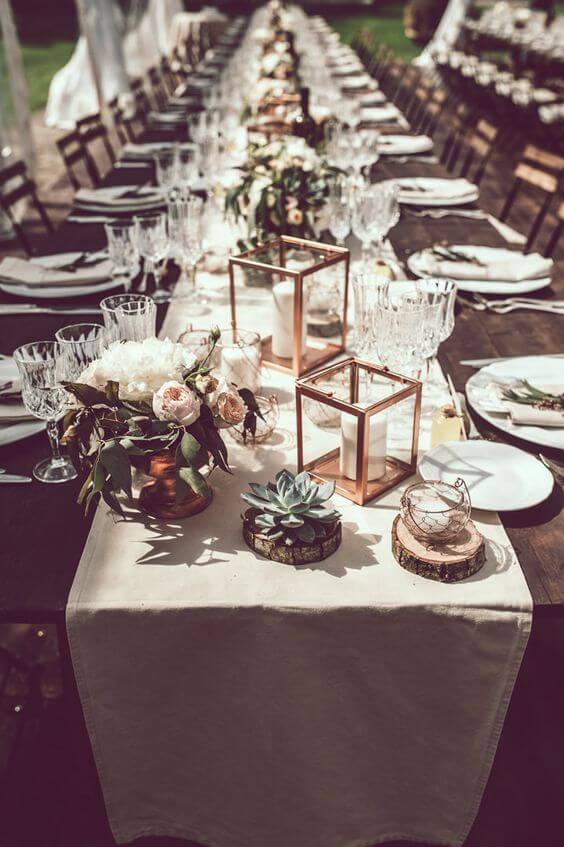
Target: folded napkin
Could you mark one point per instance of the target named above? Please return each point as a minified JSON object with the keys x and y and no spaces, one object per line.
{"x":435,"y":188}
{"x":123,"y":197}
{"x":360,"y":81}
{"x":498,"y":264}
{"x":372,"y":98}
{"x":12,"y":412}
{"x":24,"y":272}
{"x":144,"y":151}
{"x":529,"y":416}
{"x":380,"y":114}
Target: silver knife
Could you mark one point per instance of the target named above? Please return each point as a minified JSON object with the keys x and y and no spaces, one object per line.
{"x":28,"y":309}
{"x":11,"y":477}
{"x":482,"y":363}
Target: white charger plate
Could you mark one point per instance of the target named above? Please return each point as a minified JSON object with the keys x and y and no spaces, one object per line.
{"x":37,"y":292}
{"x":416,"y":264}
{"x":430,"y":196}
{"x":147,"y":200}
{"x":18,"y":431}
{"x":404,"y":145}
{"x":500,"y":477}
{"x":537,"y":370}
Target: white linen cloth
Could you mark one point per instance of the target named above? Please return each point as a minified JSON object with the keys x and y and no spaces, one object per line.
{"x":241,"y":702}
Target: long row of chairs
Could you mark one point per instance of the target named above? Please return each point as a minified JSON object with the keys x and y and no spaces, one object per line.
{"x":92,"y":145}
{"x":474,"y":146}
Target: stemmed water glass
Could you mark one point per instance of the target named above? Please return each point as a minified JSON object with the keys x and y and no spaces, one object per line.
{"x":186,"y":225}
{"x":375,"y":212}
{"x":339,"y":215}
{"x":166,"y":168}
{"x":366,"y":290}
{"x":40,"y":368}
{"x":122,"y":250}
{"x":152,"y":243}
{"x":398,"y":329}
{"x":440,"y":294}
{"x":188,"y":167}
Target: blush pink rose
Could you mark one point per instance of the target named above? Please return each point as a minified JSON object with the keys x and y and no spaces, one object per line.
{"x":231,"y":408}
{"x":175,"y":402}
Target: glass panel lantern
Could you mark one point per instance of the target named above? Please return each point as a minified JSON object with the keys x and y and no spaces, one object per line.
{"x":307,"y":285}
{"x":358,"y":425}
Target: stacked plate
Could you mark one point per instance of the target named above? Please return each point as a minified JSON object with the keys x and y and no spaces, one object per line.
{"x":61,"y":275}
{"x":484,"y":391}
{"x":435,"y":191}
{"x":118,"y":199}
{"x":380,"y":114}
{"x":404,"y":145}
{"x":146,"y":151}
{"x":15,"y":421}
{"x":493,"y":270}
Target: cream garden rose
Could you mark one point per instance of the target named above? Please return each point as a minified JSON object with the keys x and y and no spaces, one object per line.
{"x":177,"y":403}
{"x":139,"y":367}
{"x":231,"y":408}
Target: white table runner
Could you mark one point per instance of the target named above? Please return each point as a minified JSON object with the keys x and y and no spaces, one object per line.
{"x":240,"y":702}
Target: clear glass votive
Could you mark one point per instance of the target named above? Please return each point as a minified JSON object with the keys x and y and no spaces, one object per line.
{"x":265,"y":426}
{"x":113,"y":320}
{"x":435,"y":511}
{"x":198,"y":341}
{"x":240,"y":358}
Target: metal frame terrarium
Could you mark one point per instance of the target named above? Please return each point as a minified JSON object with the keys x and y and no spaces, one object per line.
{"x":317,"y":349}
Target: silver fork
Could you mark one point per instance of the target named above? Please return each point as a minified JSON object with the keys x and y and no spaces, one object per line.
{"x":437,"y":214}
{"x":512,"y":303}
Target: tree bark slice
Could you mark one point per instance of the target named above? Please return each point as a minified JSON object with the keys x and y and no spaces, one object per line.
{"x":448,"y":562}
{"x":298,"y":554}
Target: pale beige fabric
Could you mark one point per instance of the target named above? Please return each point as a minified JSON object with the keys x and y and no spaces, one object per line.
{"x":240,"y":702}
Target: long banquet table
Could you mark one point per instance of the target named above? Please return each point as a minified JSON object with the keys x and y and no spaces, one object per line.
{"x":44,"y":531}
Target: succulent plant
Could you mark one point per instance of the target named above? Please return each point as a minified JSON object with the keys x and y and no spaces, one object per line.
{"x":291,"y":508}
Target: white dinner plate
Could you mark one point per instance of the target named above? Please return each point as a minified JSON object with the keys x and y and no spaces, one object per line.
{"x":417,"y":265}
{"x":404,"y":145}
{"x":538,"y":370}
{"x":500,"y":477}
{"x":431,"y":188}
{"x":100,"y":200}
{"x":18,"y":431}
{"x":62,"y":292}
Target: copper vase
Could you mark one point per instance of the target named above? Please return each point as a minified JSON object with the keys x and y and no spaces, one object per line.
{"x":158,"y":497}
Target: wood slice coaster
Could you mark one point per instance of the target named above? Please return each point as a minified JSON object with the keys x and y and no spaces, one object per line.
{"x":448,"y":562}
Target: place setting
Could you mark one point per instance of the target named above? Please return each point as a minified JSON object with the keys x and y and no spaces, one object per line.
{"x":435,"y":191}
{"x":118,"y":200}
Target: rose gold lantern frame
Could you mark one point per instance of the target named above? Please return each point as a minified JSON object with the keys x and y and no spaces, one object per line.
{"x":325,"y":468}
{"x":322,"y":351}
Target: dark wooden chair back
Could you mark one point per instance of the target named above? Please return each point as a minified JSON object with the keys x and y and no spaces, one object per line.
{"x":77,"y":158}
{"x":552,"y":242}
{"x":93,"y":130}
{"x":17,"y":187}
{"x":540,"y":171}
{"x":120,"y":124}
{"x":430,"y":118}
{"x":157,"y":88}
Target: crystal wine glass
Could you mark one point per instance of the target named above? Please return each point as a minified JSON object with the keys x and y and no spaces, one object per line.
{"x":152,"y":243}
{"x":166,"y":168}
{"x":122,"y":250}
{"x":186,"y":224}
{"x":44,"y":397}
{"x":113,"y":318}
{"x":188,"y":167}
{"x":80,"y":344}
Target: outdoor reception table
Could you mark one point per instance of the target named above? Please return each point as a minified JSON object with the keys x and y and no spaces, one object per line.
{"x":45,"y":533}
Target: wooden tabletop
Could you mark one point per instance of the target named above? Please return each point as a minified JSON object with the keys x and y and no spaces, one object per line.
{"x":43,"y":530}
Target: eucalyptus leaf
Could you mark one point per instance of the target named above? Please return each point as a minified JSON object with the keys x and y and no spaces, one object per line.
{"x":115,"y":460}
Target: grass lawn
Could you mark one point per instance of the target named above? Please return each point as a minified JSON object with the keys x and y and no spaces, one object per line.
{"x":41,"y":61}
{"x":386,"y":24}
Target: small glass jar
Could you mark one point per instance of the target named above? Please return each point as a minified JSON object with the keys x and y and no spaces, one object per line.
{"x":265,"y":426}
{"x":436,"y":512}
{"x":240,"y":357}
{"x":199,"y":343}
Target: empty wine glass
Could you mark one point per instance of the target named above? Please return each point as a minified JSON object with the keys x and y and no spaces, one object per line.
{"x":440,"y":294}
{"x":186,"y":224}
{"x":152,"y":243}
{"x":188,"y":167}
{"x":39,"y":365}
{"x":113,"y":320}
{"x":122,"y":250}
{"x":80,"y":344}
{"x":366,"y":290}
{"x":376,"y":211}
{"x":166,"y":168}
{"x":398,"y":329}
{"x":339,"y":215}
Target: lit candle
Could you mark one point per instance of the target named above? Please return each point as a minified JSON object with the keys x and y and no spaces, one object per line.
{"x":241,"y":365}
{"x":377,"y":438}
{"x":283,"y":319}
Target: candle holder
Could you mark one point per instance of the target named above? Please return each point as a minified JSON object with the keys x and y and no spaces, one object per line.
{"x":302,"y":265}
{"x":367,"y":441}
{"x":436,"y":512}
{"x":239,"y":353}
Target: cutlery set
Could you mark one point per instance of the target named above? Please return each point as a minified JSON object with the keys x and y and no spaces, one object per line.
{"x":511,"y":304}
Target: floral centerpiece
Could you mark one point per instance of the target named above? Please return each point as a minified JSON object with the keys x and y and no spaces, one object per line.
{"x":284,"y":186}
{"x":148,"y":400}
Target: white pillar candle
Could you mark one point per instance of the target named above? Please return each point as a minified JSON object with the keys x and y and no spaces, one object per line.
{"x":377,"y":437}
{"x":283,"y":319}
{"x":241,"y":365}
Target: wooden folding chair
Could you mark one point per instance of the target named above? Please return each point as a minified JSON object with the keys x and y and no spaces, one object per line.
{"x":157,"y":88}
{"x":552,"y":242}
{"x":120,"y":125}
{"x":17,"y":187}
{"x":76,"y":157}
{"x":541,"y":172}
{"x":92,"y":129}
{"x":476,"y":151}
{"x":416,"y":104}
{"x":429,"y":119}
